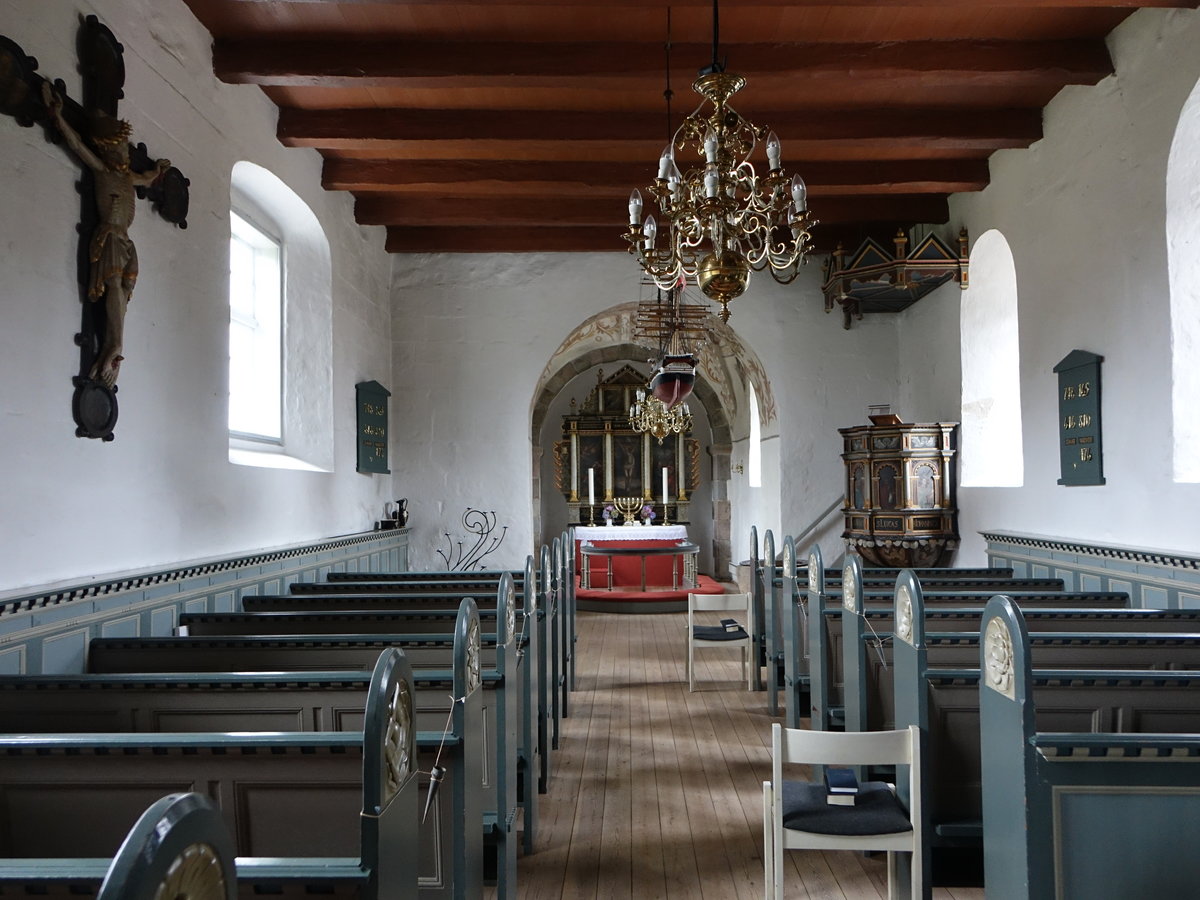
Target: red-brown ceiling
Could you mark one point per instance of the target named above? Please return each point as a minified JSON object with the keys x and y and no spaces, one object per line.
{"x":491,"y":126}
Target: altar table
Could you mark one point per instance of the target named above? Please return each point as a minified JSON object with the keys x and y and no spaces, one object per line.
{"x":684,"y":552}
{"x":626,"y":568}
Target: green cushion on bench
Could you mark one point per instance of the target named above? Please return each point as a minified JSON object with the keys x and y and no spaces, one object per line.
{"x":876,"y":812}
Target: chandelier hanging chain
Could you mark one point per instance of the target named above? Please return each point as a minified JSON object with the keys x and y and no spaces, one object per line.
{"x":720,"y":218}
{"x":667,"y":92}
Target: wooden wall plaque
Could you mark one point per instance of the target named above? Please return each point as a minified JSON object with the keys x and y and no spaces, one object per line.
{"x":1080,"y":456}
{"x":371,"y":404}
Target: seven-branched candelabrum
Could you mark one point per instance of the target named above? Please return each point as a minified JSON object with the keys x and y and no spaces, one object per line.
{"x":720,"y":218}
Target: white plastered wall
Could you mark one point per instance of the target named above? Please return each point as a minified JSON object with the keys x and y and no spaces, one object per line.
{"x":472,"y":334}
{"x":1083,"y":212}
{"x":164,"y":490}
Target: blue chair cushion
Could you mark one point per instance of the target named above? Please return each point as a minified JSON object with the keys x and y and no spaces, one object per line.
{"x":717,"y":633}
{"x":877,"y":810}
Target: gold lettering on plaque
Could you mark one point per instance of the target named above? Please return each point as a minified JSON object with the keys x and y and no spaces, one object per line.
{"x":1085,"y":388}
{"x":1085,"y":454}
{"x":1069,"y":392}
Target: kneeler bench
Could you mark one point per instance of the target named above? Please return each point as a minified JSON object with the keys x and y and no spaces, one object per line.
{"x":325,"y":812}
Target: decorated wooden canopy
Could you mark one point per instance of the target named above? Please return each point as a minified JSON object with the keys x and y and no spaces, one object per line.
{"x":874,"y":280}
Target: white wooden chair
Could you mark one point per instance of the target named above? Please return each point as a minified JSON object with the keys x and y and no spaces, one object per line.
{"x":797,"y":816}
{"x":707,"y":637}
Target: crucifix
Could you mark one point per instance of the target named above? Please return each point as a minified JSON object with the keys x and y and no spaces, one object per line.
{"x":114,"y":174}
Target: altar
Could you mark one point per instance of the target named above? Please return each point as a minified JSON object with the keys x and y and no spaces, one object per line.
{"x":636,"y":568}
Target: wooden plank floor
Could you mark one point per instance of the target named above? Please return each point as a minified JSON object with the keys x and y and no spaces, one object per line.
{"x":657,"y":792}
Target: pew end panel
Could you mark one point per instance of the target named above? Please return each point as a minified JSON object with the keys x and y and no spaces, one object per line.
{"x":1051,"y":800}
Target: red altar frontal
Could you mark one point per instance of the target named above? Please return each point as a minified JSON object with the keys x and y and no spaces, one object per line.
{"x":637,"y":568}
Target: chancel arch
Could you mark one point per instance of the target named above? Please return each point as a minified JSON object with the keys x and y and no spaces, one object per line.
{"x":718,"y":400}
{"x":1183,"y":262}
{"x":991,"y":445}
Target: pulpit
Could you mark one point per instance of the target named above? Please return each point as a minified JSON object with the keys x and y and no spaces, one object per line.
{"x":900,"y":485}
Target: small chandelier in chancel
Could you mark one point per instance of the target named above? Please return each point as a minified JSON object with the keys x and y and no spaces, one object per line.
{"x":649,"y":414}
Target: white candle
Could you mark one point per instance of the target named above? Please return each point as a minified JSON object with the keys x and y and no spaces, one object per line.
{"x":591,"y":487}
{"x":664,"y":490}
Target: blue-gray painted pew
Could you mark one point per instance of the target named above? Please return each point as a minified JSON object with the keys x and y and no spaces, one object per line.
{"x":408,"y":623}
{"x":1086,"y":680}
{"x":452,"y":857}
{"x":513,"y":713}
{"x":822,"y":636}
{"x":868,"y":688}
{"x":1074,"y":814}
{"x":325,"y":812}
{"x":482,"y":575}
{"x":361,"y":595}
{"x":783,"y":609}
{"x":179,"y":833}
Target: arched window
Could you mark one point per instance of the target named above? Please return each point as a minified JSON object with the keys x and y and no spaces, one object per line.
{"x":991,"y":445}
{"x":1183,"y":267}
{"x":754,"y":451}
{"x":280,"y":327}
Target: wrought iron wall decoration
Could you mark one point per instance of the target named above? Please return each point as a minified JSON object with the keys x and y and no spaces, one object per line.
{"x":872,"y":280}
{"x":113,"y":173}
{"x":461,"y":558}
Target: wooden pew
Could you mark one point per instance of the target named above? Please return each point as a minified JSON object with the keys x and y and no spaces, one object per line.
{"x":318,"y":812}
{"x":179,"y":833}
{"x":777,"y":582}
{"x":432,"y":577}
{"x":1069,"y":813}
{"x":450,"y":705}
{"x":412,"y":622}
{"x":808,"y":630}
{"x":855,"y":637}
{"x":1091,"y":680}
{"x":404,"y":625}
{"x":537,"y":626}
{"x":359,"y":595}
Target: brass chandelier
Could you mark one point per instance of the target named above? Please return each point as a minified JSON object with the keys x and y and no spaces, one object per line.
{"x":649,"y":414}
{"x":720,"y":219}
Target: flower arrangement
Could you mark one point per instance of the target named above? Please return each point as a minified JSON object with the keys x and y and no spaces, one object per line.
{"x":648,"y":513}
{"x":609,"y":512}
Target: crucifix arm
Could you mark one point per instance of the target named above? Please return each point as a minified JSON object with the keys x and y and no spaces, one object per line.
{"x":147,"y":178}
{"x":54,"y":105}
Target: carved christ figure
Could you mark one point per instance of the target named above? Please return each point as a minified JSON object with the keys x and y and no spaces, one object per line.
{"x":112,"y":255}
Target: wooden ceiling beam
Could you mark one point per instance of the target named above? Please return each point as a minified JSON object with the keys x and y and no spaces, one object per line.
{"x":582,"y":179}
{"x":509,"y":134}
{"x":981,"y":5}
{"x":440,"y":211}
{"x":588,"y":239}
{"x":499,"y":65}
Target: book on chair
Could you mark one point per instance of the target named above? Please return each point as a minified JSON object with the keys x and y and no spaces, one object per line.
{"x":731,"y":625}
{"x":841,"y":786}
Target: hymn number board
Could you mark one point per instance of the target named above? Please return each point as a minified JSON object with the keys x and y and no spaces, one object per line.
{"x":1079,"y":418}
{"x":372,"y":405}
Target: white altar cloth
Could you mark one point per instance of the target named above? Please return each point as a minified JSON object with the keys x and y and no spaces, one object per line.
{"x":586,"y":534}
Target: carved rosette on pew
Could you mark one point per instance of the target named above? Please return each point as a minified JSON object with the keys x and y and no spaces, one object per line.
{"x":106,"y":260}
{"x":900,"y":493}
